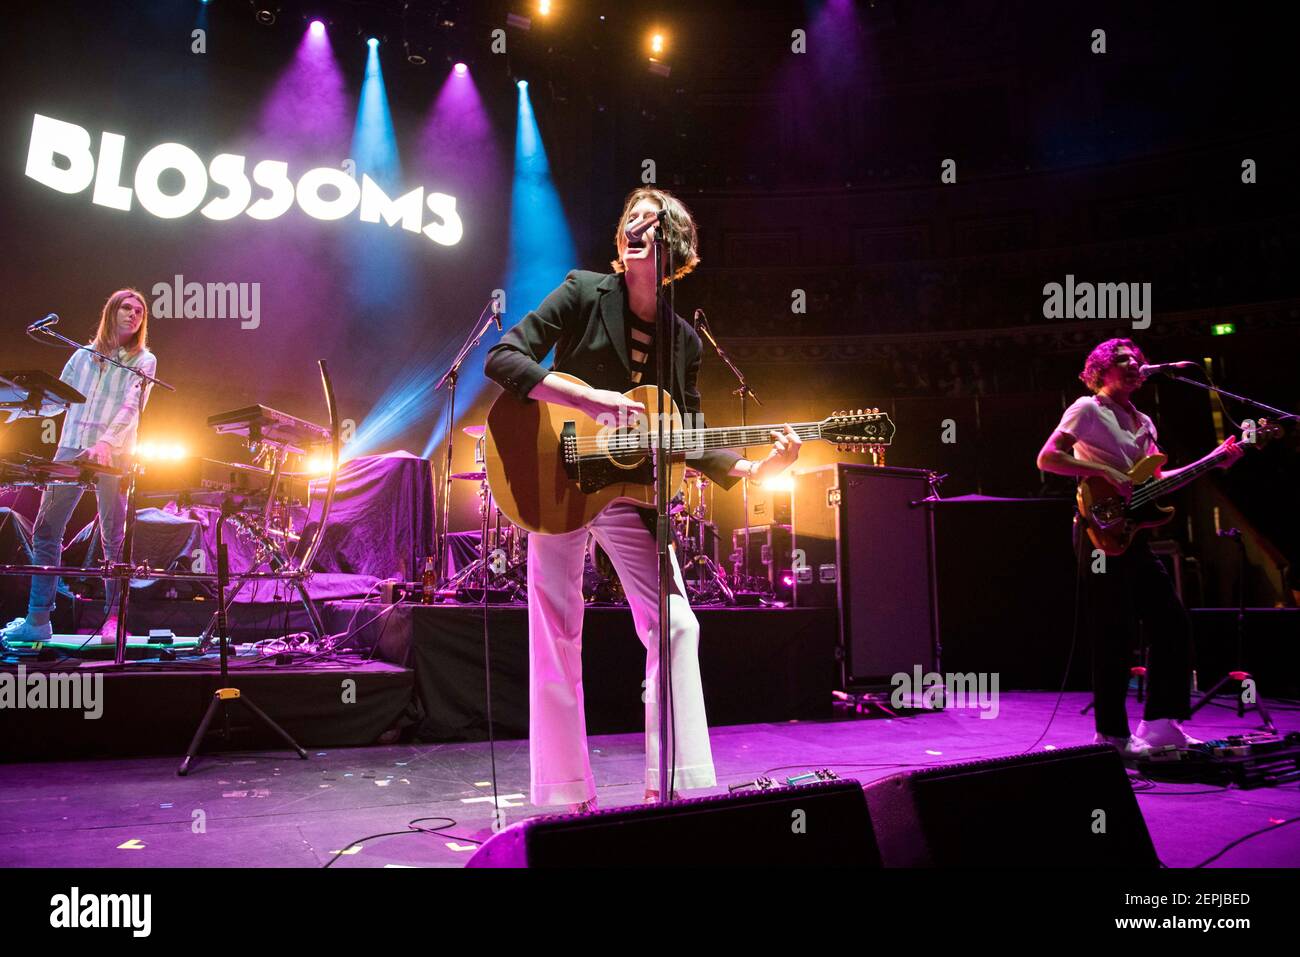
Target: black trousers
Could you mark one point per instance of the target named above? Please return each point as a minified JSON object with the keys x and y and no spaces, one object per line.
{"x":1134,"y":588}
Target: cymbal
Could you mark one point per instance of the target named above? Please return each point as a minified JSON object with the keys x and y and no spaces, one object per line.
{"x":470,"y":476}
{"x":475,"y":431}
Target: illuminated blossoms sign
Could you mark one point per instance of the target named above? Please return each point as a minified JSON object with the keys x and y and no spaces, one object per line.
{"x":79,"y":168}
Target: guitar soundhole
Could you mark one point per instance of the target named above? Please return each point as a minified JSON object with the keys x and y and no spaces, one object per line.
{"x":625,"y":447}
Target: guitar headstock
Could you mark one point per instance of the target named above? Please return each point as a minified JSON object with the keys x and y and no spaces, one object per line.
{"x":858,"y":430}
{"x":1259,"y":433}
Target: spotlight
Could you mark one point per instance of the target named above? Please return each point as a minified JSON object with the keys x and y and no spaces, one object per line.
{"x":318,"y":28}
{"x":522,"y":84}
{"x":373,"y":42}
{"x":266,"y":16}
{"x":782,"y":483}
{"x":657,"y":43}
{"x":161,"y":451}
{"x":461,"y":69}
{"x":318,"y":464}
{"x":544,"y":7}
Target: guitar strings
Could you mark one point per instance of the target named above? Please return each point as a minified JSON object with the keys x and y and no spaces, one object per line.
{"x":1158,"y":488}
{"x":628,"y":441}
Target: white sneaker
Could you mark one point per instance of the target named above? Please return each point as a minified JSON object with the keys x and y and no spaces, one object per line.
{"x":1127,"y":747}
{"x":20,"y":630}
{"x":1163,"y":733}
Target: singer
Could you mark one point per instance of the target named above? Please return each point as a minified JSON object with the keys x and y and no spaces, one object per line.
{"x":101,"y":430}
{"x":603,"y":328}
{"x":1105,"y":434}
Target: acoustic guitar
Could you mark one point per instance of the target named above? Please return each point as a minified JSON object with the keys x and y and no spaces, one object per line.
{"x":1112,"y":521}
{"x":552,"y":468}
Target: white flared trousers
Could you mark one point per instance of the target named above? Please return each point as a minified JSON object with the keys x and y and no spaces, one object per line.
{"x":561,"y":764}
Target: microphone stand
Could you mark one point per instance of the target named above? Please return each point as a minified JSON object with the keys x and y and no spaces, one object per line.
{"x":744,"y":391}
{"x":99,"y":355}
{"x":1239,"y":675}
{"x":450,"y":377}
{"x":1281,"y":415}
{"x":665,"y":345}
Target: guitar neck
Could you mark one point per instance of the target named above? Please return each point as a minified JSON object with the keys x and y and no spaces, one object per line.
{"x":737,"y":437}
{"x":1167,"y":486}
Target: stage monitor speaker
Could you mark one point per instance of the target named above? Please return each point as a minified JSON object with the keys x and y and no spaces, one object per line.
{"x":1072,"y":807}
{"x":865,"y":545}
{"x":813,"y":825}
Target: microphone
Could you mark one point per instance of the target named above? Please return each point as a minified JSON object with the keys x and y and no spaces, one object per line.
{"x":700,"y":319}
{"x":1165,"y":367}
{"x":637,"y":230}
{"x":496,"y":314}
{"x":40,"y":324}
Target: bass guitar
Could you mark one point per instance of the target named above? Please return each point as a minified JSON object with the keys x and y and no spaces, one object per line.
{"x":1112,"y":520}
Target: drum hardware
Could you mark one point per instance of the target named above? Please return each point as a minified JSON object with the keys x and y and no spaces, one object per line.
{"x":499,"y":572}
{"x":272,"y":436}
{"x":697,"y":539}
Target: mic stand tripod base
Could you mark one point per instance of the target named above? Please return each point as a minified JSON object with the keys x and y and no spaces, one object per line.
{"x":221,"y":699}
{"x":1240,"y":677}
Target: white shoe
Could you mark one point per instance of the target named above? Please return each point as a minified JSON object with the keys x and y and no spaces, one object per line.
{"x":586,"y":807}
{"x":1163,"y":733}
{"x":1127,"y":747}
{"x":20,"y":630}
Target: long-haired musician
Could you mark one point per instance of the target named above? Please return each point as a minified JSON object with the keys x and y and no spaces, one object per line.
{"x":1104,"y":434}
{"x":602,"y":326}
{"x":101,"y":430}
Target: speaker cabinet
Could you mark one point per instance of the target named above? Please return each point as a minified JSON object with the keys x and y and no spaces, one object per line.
{"x":1073,"y":807}
{"x":865,"y":545}
{"x":815,"y":825}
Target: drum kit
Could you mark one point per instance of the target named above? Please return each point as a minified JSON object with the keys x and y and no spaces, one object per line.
{"x":500,"y":571}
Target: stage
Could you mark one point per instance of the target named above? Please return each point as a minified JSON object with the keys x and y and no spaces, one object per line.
{"x":269,"y":809}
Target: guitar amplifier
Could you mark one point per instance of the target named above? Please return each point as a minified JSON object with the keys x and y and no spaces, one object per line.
{"x":814,"y":515}
{"x":865,"y":547}
{"x":768,"y":506}
{"x":769,"y":554}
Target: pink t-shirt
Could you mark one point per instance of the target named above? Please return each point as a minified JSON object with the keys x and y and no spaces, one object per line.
{"x":1100,"y":437}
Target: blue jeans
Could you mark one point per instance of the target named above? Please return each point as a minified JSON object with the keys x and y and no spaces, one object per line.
{"x":57,"y":505}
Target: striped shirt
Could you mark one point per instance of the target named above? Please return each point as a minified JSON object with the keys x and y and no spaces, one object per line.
{"x":640,"y":348}
{"x":114,"y":399}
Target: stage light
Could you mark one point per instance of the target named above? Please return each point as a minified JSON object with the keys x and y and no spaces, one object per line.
{"x":161,"y":451}
{"x":461,"y":69}
{"x":657,"y":44}
{"x":544,"y":7}
{"x":522,"y":84}
{"x":318,"y":28}
{"x":319,"y":463}
{"x":373,"y":42}
{"x":782,"y":483}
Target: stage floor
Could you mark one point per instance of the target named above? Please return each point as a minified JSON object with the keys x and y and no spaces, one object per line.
{"x":270,"y":810}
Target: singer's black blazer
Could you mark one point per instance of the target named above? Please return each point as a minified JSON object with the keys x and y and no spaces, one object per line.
{"x":583,"y":320}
